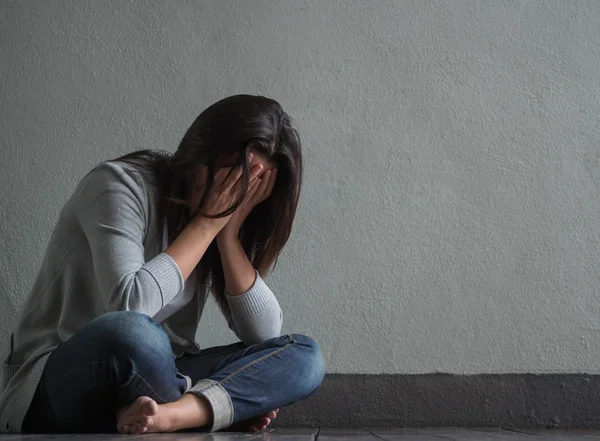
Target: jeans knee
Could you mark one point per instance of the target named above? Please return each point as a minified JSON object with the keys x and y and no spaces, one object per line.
{"x":129,"y":334}
{"x":311,"y":366}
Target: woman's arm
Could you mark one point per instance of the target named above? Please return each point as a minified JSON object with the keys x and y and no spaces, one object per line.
{"x":255,"y":313}
{"x":112,"y":210}
{"x":239,"y":272}
{"x":113,"y":213}
{"x":191,"y":244}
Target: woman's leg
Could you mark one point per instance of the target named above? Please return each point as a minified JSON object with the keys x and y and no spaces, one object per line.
{"x":109,"y":363}
{"x":246,"y":382}
{"x":206,"y":363}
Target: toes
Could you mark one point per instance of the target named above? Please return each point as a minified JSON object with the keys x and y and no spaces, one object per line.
{"x":137,"y":418}
{"x":258,"y":427}
{"x":142,"y":425}
{"x":148,"y":423}
{"x":149,"y":407}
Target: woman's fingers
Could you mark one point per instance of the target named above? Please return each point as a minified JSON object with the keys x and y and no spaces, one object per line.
{"x":238,"y":185}
{"x":253,"y":178}
{"x":255,"y":171}
{"x":252,"y":188}
{"x":233,"y":177}
{"x":228,"y":183}
{"x":220,"y":175}
{"x":260,"y":192}
{"x":269,"y":189}
{"x":228,"y":177}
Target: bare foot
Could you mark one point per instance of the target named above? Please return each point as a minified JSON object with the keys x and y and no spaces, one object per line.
{"x":139,"y":417}
{"x":257,"y":424}
{"x":146,"y":416}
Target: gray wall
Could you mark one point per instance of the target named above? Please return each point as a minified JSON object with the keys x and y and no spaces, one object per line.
{"x":450,"y":219}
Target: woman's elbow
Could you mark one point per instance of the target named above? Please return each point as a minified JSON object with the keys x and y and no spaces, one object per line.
{"x":131,"y":295}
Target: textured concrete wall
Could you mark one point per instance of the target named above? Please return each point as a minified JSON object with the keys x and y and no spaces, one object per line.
{"x":450,"y":217}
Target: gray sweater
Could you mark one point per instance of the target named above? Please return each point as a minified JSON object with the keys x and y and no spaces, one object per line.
{"x":106,"y":254}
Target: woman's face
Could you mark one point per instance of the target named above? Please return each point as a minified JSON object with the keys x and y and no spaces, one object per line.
{"x":200,"y":172}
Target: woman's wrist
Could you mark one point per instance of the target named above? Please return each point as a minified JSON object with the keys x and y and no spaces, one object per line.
{"x":238,"y":271}
{"x":227,"y":236}
{"x":189,"y":246}
{"x":208,"y":225}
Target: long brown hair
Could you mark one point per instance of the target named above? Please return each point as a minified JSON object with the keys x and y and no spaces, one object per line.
{"x":223,"y":135}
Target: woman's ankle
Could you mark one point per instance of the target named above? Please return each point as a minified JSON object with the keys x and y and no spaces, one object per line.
{"x":189,"y":412}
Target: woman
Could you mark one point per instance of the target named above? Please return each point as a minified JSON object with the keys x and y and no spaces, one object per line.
{"x":106,"y":339}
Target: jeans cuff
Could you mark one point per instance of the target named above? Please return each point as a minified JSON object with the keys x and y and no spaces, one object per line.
{"x":219,"y":401}
{"x":188,"y":382}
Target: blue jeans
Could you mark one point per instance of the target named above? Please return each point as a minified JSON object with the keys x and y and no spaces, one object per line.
{"x":120,"y":356}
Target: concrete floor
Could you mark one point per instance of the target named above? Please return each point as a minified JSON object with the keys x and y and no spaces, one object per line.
{"x":441,"y":434}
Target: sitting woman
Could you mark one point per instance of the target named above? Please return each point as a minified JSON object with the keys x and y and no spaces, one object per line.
{"x":106,"y":340}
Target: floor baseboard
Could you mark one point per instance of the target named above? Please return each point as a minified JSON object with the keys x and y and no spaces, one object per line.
{"x":436,"y":400}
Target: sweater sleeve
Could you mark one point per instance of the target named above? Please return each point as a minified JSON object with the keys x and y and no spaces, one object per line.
{"x":255,"y":315}
{"x":113,"y":217}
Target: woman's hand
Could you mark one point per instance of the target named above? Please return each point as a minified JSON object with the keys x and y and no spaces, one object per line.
{"x":188,"y":248}
{"x":258,"y":191}
{"x":225,"y":191}
{"x":237,"y":269}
